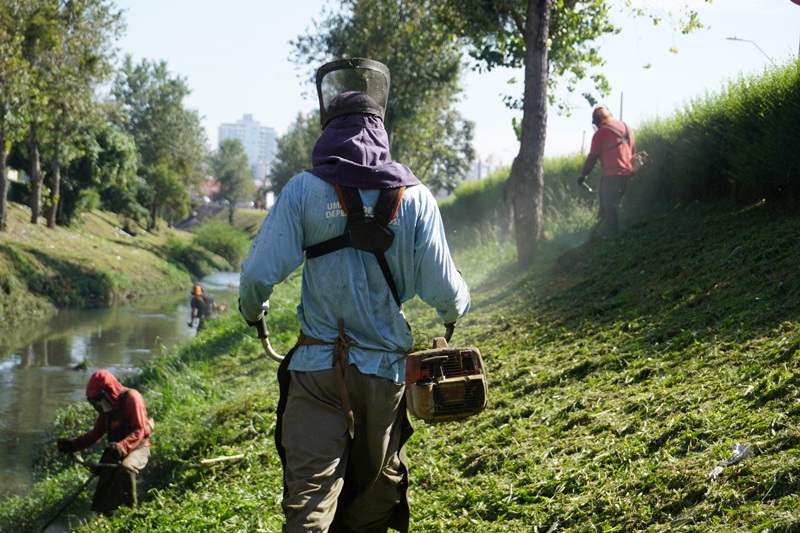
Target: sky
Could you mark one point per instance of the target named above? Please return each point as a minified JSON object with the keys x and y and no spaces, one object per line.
{"x":236,"y":58}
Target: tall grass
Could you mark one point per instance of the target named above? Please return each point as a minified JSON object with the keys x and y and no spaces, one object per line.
{"x":740,"y":143}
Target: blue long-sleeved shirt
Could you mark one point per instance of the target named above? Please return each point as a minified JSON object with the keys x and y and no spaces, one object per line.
{"x":348,"y":283}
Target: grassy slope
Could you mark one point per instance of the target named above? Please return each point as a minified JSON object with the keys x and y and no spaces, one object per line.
{"x":90,"y":265}
{"x":620,"y":375}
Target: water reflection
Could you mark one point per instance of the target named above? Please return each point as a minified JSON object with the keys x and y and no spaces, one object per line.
{"x":38,"y":375}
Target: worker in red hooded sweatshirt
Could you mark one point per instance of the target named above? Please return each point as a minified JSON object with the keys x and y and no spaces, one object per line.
{"x":122,"y":417}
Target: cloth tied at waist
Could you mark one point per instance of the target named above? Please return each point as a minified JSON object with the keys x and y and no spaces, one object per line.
{"x":341,"y":352}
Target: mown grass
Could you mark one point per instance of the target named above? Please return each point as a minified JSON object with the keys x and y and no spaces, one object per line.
{"x":621,"y":373}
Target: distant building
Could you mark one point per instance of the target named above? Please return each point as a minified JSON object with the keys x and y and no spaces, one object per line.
{"x":260,"y":143}
{"x":482,"y":167}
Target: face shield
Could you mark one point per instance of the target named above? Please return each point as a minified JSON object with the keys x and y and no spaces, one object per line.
{"x":355,"y":85}
{"x":101,"y":402}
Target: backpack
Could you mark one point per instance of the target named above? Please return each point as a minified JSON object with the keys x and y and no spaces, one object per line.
{"x":368,"y":234}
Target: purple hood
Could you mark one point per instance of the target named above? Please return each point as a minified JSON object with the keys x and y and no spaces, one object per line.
{"x":353,"y":151}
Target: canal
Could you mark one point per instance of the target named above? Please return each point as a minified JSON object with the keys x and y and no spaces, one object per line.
{"x":41,"y":372}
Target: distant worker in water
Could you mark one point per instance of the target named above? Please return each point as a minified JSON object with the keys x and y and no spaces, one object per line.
{"x":613,"y":144}
{"x":202,"y":307}
{"x":122,"y":417}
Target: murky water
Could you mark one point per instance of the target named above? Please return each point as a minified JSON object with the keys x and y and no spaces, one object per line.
{"x":38,"y":375}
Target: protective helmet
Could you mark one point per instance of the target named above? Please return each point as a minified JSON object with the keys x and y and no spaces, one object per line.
{"x":600,"y":115}
{"x":197,"y":290}
{"x":354,"y":85}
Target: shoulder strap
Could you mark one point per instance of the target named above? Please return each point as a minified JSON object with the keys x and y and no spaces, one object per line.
{"x":385,"y":210}
{"x":624,"y":138}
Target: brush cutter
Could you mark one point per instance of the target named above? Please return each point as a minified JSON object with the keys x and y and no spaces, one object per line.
{"x":442,"y":384}
{"x":445,"y":383}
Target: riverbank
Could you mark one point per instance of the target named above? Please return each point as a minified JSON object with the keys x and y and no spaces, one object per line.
{"x":621,"y":374}
{"x":95,"y":263}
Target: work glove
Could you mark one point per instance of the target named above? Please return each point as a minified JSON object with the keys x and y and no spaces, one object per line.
{"x":64,"y":445}
{"x":261,"y":326}
{"x":112,"y":454}
{"x":581,"y":181}
{"x":448,"y":331}
{"x":258,"y":323}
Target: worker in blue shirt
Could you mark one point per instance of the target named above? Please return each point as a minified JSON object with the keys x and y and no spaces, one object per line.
{"x":342,"y":422}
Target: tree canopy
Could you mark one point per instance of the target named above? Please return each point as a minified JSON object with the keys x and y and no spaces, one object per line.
{"x":554,"y":41}
{"x":233,"y":173}
{"x":169,"y":137}
{"x":294,"y":150}
{"x":424,"y":129}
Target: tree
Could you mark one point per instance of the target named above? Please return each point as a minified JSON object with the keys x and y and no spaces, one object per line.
{"x":169,"y":138}
{"x":81,"y":61}
{"x":553,"y":40}
{"x":41,"y":39}
{"x":107,"y":165}
{"x":294,"y":150}
{"x":424,"y":130}
{"x":14,"y":87}
{"x":233,"y":172}
{"x":440,"y":153}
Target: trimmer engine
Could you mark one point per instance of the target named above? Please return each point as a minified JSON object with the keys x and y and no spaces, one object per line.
{"x":444,"y":383}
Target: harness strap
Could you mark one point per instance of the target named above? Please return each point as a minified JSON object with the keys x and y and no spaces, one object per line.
{"x":387,"y":273}
{"x":624,"y":138}
{"x":385,"y":210}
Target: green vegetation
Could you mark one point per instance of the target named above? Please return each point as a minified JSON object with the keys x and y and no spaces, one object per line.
{"x":224,"y":240}
{"x":738,"y":142}
{"x":233,"y":173}
{"x":93,"y":264}
{"x":622,"y":372}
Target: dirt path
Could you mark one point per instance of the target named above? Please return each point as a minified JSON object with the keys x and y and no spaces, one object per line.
{"x":200,"y":213}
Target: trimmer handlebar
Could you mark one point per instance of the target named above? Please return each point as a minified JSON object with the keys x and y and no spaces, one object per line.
{"x":263,"y":334}
{"x":93,"y":467}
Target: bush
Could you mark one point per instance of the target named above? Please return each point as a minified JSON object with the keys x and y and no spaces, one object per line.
{"x":198,"y":261}
{"x":224,"y":240}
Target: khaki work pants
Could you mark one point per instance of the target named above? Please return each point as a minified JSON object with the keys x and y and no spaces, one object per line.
{"x":321,"y":461}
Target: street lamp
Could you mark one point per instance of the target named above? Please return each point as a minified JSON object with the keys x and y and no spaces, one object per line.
{"x":754,"y":44}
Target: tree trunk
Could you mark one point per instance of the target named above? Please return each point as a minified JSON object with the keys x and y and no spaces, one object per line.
{"x":528,"y":174}
{"x":230,"y":213}
{"x":36,"y":175}
{"x":153,"y":217}
{"x":55,"y":189}
{"x":54,"y":195}
{"x":3,"y":174}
